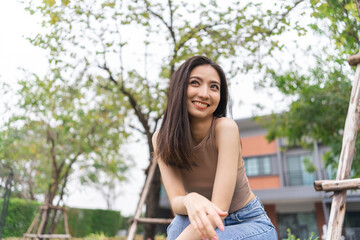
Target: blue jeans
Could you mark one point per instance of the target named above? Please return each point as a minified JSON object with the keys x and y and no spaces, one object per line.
{"x":250,"y":223}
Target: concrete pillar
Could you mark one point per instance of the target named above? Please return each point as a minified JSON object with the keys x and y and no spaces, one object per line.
{"x":279,"y":156}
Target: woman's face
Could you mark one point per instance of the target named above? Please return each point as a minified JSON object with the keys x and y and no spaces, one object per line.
{"x":203,"y":92}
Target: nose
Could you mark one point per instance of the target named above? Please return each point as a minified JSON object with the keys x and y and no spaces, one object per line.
{"x":203,"y":92}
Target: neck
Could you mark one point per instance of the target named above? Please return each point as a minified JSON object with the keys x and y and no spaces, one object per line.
{"x":200,"y":128}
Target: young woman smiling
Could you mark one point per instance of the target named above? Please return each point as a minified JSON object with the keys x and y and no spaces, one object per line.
{"x":198,"y":151}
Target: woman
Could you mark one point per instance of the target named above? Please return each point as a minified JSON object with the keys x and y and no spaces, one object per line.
{"x":198,"y":151}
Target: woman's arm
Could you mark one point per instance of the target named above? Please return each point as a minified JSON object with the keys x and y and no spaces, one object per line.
{"x":174,"y":187}
{"x":227,"y":141}
{"x":203,"y":215}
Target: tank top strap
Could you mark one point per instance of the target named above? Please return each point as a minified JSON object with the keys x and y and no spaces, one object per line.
{"x":211,"y":138}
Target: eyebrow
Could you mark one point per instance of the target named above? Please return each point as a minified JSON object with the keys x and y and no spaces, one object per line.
{"x":199,"y":78}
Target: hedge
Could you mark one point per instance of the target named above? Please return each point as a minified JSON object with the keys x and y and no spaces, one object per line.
{"x":82,"y":222}
{"x":20,"y":215}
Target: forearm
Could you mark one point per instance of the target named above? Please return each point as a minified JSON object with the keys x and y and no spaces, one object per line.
{"x":178,"y":205}
{"x":190,"y":233}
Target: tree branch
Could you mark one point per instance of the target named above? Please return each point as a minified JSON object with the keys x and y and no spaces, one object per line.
{"x":172,"y":14}
{"x":50,"y":138}
{"x":137,"y":129}
{"x":194,"y":30}
{"x":100,"y":85}
{"x":169,"y":27}
{"x":358,"y":6}
{"x":348,"y":19}
{"x":143,"y":120}
{"x":107,"y":69}
{"x":283,"y":15}
{"x":66,"y":175}
{"x":134,"y":104}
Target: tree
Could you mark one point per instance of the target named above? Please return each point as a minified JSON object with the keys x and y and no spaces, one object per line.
{"x":92,"y":36}
{"x":58,"y":126}
{"x":104,"y":177}
{"x":320,"y":94}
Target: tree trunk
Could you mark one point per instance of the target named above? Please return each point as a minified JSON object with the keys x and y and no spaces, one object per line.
{"x":46,"y":215}
{"x":152,"y":204}
{"x":49,"y":202}
{"x":53,"y":222}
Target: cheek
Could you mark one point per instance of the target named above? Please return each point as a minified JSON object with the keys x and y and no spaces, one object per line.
{"x":188,"y":92}
{"x":218,"y":98}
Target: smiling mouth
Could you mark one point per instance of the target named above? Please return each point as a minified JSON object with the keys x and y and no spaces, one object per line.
{"x":201,"y":105}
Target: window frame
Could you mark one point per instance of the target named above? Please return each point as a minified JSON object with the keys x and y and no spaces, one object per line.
{"x":260,"y":163}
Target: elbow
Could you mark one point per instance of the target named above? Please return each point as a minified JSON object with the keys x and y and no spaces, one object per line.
{"x":223,"y":206}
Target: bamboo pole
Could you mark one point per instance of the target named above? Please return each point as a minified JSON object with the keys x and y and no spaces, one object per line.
{"x":155,"y":220}
{"x":335,"y":185}
{"x":66,"y":225}
{"x":36,"y":231}
{"x":132,"y":228}
{"x":338,"y":206}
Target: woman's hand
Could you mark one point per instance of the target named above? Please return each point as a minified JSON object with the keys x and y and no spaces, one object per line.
{"x":204,"y":215}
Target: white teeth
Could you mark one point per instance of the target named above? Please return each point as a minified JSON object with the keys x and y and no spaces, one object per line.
{"x":201,"y":104}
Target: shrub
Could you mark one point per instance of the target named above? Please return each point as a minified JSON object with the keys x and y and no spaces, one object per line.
{"x":82,"y":222}
{"x":20,"y":215}
{"x":292,"y":237}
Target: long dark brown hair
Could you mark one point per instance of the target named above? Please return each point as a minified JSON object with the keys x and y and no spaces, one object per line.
{"x":174,"y":141}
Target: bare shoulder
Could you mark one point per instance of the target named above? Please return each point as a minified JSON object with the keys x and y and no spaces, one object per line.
{"x":226,"y":130}
{"x":154,"y":138}
{"x":226,"y":124}
{"x":227,"y":137}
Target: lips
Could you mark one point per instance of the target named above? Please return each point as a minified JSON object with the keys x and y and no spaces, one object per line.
{"x":201,"y":105}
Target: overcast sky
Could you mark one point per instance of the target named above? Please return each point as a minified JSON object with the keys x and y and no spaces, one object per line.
{"x":16,"y":52}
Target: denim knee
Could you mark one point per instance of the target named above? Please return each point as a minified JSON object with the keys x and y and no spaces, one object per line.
{"x":177,"y":226}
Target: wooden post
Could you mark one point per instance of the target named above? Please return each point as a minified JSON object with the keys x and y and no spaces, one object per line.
{"x":133,"y":226}
{"x":338,"y":206}
{"x":335,"y":185}
{"x":136,"y":219}
{"x":36,"y":230}
{"x":44,"y":216}
{"x":66,"y":225}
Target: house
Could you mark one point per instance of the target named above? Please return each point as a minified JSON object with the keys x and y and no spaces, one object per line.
{"x":277,"y":175}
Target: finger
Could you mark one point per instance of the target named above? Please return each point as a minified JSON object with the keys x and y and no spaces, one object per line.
{"x":200,"y":225}
{"x":208,"y":229}
{"x":195,"y":226}
{"x":220,"y":212}
{"x":223,"y":214}
{"x":214,"y":216}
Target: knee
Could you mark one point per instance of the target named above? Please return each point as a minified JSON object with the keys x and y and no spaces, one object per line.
{"x":177,"y":226}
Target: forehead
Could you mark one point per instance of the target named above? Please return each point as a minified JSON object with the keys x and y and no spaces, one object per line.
{"x":205,"y":72}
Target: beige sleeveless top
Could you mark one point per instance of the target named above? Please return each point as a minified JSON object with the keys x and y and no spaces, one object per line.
{"x":200,"y":178}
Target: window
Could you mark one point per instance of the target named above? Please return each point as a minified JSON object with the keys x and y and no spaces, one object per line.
{"x":331,"y":172}
{"x":351,"y":225}
{"x":297,"y":174}
{"x":300,"y":224}
{"x":257,"y":166}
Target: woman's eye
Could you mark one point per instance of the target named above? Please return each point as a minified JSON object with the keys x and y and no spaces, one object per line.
{"x":194,"y":82}
{"x":215,"y":87}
